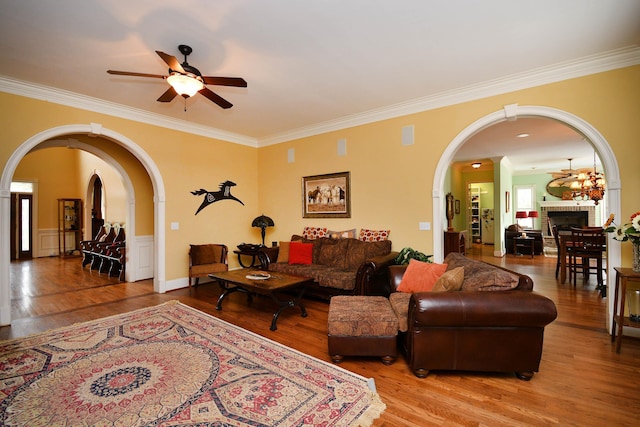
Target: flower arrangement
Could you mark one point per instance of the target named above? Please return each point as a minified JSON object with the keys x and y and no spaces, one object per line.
{"x":629,"y":231}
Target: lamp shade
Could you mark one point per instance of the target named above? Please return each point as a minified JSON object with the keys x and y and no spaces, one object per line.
{"x":263,"y":222}
{"x":521,"y":214}
{"x":185,"y":85}
{"x":533,"y":214}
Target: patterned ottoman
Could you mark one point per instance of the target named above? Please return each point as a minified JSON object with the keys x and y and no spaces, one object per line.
{"x":362,"y":326}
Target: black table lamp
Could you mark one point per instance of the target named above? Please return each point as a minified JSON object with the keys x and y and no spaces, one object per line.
{"x":263,"y":222}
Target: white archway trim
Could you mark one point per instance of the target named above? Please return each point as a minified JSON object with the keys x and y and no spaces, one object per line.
{"x":512,"y":112}
{"x":92,"y":129}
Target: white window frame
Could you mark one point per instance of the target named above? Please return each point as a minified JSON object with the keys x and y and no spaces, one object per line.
{"x":524,"y":204}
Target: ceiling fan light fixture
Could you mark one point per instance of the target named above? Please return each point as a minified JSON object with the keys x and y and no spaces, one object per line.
{"x":185,"y":85}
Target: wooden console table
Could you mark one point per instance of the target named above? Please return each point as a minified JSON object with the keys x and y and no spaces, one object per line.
{"x":455,"y":241}
{"x":623,"y":275}
{"x":248,"y":253}
{"x":523,"y":242}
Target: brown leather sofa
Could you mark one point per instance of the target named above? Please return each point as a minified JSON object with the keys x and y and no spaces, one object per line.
{"x":491,"y":331}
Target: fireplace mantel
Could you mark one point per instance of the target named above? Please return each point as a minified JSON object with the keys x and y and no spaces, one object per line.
{"x":567,"y":203}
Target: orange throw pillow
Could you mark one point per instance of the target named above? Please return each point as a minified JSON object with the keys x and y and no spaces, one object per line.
{"x":421,"y":276}
{"x":300,"y":253}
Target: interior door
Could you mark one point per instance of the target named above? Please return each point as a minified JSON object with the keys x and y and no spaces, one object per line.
{"x":21,"y":226}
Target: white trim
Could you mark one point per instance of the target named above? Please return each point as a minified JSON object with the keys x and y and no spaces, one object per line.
{"x":84,"y":102}
{"x":599,"y":63}
{"x":565,"y":203}
{"x":599,"y":143}
{"x":48,"y":138}
{"x":606,"y":61}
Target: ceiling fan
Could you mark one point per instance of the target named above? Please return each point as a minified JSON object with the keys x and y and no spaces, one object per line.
{"x":565,"y":176}
{"x":187,"y":80}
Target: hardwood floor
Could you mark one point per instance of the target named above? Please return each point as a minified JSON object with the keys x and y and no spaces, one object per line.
{"x":582,"y":381}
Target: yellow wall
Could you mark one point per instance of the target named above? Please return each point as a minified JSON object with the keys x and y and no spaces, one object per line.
{"x":59,"y":173}
{"x":391,"y":184}
{"x":56,"y":172}
{"x":115,"y":203}
{"x":186,"y":162}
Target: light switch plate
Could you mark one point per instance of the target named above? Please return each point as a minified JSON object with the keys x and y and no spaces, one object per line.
{"x":424,"y":226}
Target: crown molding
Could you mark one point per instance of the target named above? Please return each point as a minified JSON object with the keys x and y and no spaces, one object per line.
{"x":71,"y":99}
{"x":611,"y":60}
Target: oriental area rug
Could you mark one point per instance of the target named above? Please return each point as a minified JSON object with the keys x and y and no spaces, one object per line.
{"x":172,"y":365}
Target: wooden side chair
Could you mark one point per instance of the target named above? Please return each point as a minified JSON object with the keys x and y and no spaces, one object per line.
{"x":556,"y":238}
{"x":587,"y":244}
{"x":87,"y":246}
{"x":206,"y":259}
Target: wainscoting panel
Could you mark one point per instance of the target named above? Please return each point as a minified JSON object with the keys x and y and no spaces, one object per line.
{"x":144,"y":257}
{"x":47,"y":243}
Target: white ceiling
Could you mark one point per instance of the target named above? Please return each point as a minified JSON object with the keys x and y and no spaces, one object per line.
{"x":314,"y":65}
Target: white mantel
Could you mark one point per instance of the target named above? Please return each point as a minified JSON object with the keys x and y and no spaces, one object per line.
{"x":567,"y":203}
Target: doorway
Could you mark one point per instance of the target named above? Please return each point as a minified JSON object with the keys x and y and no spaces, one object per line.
{"x":512,"y":112}
{"x":50,"y":137}
{"x":480,"y":218}
{"x":97,"y":215}
{"x":21,"y":226}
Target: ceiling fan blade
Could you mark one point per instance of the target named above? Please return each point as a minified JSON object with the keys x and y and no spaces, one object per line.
{"x":168,"y":95}
{"x":129,"y":73}
{"x":171,"y":61}
{"x":225,"y":81}
{"x":216,"y":98}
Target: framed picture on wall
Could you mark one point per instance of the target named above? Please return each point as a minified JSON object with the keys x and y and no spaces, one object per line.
{"x":457,"y":209}
{"x":507,"y":201}
{"x":326,"y":196}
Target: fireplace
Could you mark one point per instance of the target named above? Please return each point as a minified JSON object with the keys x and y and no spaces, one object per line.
{"x":566,"y":214}
{"x":567,"y":219}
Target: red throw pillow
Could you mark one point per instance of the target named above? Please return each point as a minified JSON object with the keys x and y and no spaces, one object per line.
{"x":421,"y":276}
{"x":300,"y":253}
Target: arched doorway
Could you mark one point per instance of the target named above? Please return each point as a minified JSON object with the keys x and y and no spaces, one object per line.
{"x":94,"y":197}
{"x":512,"y":112}
{"x":93,"y":129}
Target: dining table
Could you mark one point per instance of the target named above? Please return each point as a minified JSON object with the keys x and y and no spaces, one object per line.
{"x":565,"y":241}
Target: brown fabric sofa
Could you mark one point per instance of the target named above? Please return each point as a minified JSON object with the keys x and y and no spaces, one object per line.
{"x":340,"y":266}
{"x":495,"y":323}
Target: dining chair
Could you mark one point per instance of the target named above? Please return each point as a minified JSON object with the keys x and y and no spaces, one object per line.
{"x":586,"y":244}
{"x":556,"y":238}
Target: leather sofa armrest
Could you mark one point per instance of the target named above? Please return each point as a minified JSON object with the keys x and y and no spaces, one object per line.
{"x":396,"y":272}
{"x":480,"y":309}
{"x":372,"y":277}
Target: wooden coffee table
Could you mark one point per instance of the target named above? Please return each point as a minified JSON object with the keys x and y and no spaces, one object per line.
{"x":237,"y":281}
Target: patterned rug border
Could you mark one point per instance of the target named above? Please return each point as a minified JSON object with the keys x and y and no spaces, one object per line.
{"x":376,"y":408}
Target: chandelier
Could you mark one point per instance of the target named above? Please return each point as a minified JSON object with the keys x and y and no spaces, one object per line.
{"x":590,"y":185}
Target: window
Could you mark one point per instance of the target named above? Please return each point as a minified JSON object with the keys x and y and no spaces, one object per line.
{"x":21,"y":187}
{"x":525,"y":201}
